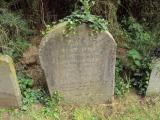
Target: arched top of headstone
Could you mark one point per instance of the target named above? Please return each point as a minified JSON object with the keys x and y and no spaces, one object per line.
{"x":59,"y":31}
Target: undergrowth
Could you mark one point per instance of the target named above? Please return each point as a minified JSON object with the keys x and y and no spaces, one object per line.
{"x":31,"y":96}
{"x":122,"y":84}
{"x":16,"y":48}
{"x":13,"y":34}
{"x":138,"y":37}
{"x":139,"y":46}
{"x":13,"y":24}
{"x":26,"y":86}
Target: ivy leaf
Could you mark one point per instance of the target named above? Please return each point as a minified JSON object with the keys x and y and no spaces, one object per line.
{"x":137,"y":62}
{"x":134,"y":54}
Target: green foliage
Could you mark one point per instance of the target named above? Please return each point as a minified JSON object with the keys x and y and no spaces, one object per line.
{"x":134,"y":59}
{"x":96,"y":23}
{"x":140,"y":44}
{"x":3,"y":3}
{"x":140,"y":69}
{"x":87,"y":5}
{"x":137,"y":73}
{"x":16,"y":48}
{"x":51,"y":106}
{"x":141,"y":76}
{"x":26,"y":85}
{"x":13,"y":32}
{"x":122,"y":85}
{"x":137,"y":37}
{"x":13,"y":24}
{"x":4,"y":39}
{"x":30,"y":95}
{"x":25,"y":82}
{"x":47,"y":29}
{"x":84,"y":114}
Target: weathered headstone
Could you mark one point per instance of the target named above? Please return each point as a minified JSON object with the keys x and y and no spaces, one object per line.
{"x":9,"y":90}
{"x":154,"y":82}
{"x":81,"y":67}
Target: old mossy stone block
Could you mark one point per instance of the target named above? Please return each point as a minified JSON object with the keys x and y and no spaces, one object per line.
{"x":10,"y":96}
{"x":81,"y":67}
{"x":154,"y":82}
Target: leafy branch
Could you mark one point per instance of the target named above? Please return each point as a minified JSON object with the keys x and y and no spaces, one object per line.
{"x":96,"y":23}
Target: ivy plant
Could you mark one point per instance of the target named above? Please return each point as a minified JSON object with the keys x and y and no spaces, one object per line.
{"x":82,"y":15}
{"x":96,"y":23}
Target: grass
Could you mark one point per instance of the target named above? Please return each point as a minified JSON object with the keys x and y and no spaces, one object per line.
{"x":131,"y":107}
{"x":136,"y":108}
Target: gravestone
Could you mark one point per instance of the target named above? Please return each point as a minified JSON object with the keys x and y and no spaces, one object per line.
{"x":10,"y":96}
{"x":154,"y":82}
{"x":81,"y":67}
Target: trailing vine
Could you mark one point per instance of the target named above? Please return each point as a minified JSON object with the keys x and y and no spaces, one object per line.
{"x":96,"y":23}
{"x":82,"y":15}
